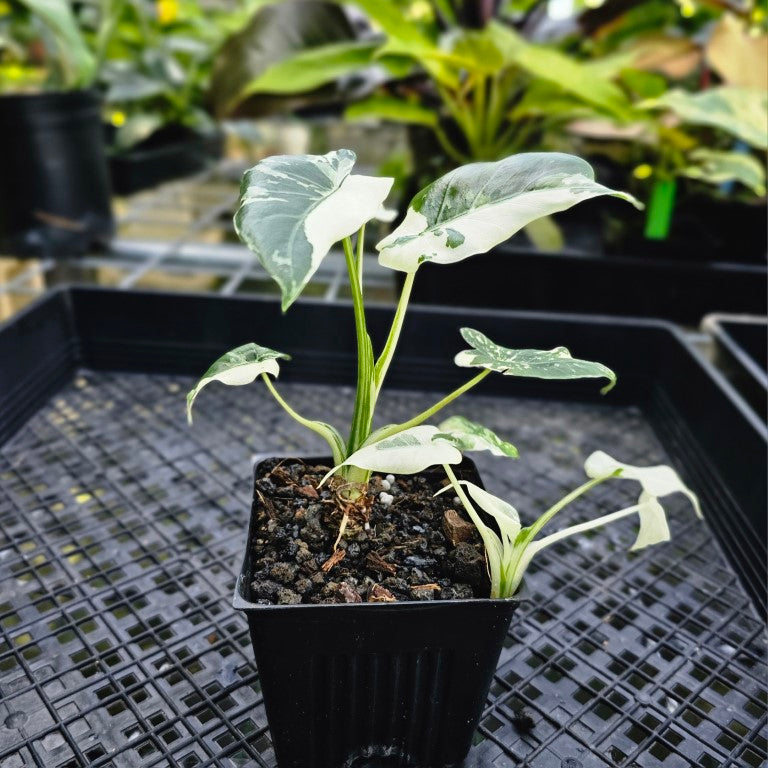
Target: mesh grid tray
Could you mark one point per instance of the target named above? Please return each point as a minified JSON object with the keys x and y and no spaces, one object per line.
{"x":121,"y":537}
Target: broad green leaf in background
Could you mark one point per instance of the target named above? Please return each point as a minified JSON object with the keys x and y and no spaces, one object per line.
{"x":545,"y":235}
{"x":79,"y":64}
{"x":572,"y":77}
{"x":407,"y":452}
{"x":277,"y":32}
{"x":478,"y":206}
{"x":716,"y":167}
{"x":391,"y":108}
{"x":740,"y":112}
{"x":470,"y":436}
{"x":312,"y":68}
{"x":293,"y":208}
{"x":531,"y":363}
{"x":238,"y":366}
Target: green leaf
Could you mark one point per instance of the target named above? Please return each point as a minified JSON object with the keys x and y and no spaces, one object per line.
{"x":738,"y":111}
{"x":716,"y":167}
{"x":533,"y":363}
{"x":237,"y":367}
{"x":407,"y":452}
{"x":478,"y":206}
{"x":391,"y":108}
{"x":470,"y":436}
{"x":572,"y":77}
{"x":293,"y":208}
{"x":545,"y":235}
{"x":135,"y":129}
{"x":78,"y":62}
{"x":310,"y":69}
{"x":276,"y":32}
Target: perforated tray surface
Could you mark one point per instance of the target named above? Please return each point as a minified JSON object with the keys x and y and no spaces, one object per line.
{"x":122,"y":531}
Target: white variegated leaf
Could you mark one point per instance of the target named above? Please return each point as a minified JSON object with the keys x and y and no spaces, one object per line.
{"x":738,"y":111}
{"x":470,"y":436}
{"x":406,"y":453}
{"x":480,"y":205}
{"x":293,"y":208}
{"x":657,"y":481}
{"x":238,"y":366}
{"x":653,"y":523}
{"x":533,"y":363}
{"x":505,"y":514}
{"x":718,"y":167}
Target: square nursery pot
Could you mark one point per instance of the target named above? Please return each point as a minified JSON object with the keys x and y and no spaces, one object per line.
{"x":54,"y":183}
{"x":173,"y":153}
{"x":374,"y":684}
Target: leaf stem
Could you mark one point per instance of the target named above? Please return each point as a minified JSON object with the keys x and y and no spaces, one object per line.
{"x":394,"y":429}
{"x":383,"y":363}
{"x":326,"y":431}
{"x":360,"y":252}
{"x":489,"y":538}
{"x":361,"y":420}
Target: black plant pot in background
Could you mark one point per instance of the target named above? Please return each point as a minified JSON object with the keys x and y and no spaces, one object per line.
{"x":170,"y":153}
{"x":54,"y":183}
{"x":402,"y":684}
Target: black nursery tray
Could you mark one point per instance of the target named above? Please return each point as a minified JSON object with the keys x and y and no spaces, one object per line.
{"x":741,"y":344}
{"x":122,"y":532}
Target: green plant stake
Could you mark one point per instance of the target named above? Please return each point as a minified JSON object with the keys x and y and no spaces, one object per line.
{"x":660,"y":207}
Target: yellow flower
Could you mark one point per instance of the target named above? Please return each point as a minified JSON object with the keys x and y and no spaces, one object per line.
{"x":419,"y":10}
{"x":117,"y":118}
{"x":643,"y":171}
{"x":687,"y":8}
{"x":5,"y":8}
{"x":167,"y":11}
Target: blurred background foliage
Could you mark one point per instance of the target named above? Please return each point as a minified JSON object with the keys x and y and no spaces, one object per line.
{"x":667,"y":97}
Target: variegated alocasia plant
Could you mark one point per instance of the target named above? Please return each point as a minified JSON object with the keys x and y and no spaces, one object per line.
{"x":293,"y":209}
{"x":509,"y":546}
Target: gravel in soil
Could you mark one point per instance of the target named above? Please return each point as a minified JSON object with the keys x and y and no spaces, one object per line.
{"x":416,"y":547}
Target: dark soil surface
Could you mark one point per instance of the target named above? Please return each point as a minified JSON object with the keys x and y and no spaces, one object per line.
{"x":416,"y":548}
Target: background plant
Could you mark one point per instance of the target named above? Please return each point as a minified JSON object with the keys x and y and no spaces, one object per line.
{"x":42,"y":48}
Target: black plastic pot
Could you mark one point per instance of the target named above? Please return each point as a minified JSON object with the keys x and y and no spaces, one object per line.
{"x":171,"y":154}
{"x":402,"y":683}
{"x":741,"y":346}
{"x":54,"y":184}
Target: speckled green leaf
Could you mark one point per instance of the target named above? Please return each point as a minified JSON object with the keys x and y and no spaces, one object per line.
{"x":554,"y":363}
{"x":238,"y":366}
{"x":469,"y":436}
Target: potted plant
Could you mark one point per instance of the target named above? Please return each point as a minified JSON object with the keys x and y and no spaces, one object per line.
{"x":359,"y":587}
{"x":54,"y":185}
{"x":154,"y":65}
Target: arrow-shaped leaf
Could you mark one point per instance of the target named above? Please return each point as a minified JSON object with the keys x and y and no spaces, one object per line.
{"x":469,"y":436}
{"x":238,"y":366}
{"x":293,"y":208}
{"x":660,"y":480}
{"x":406,"y":453}
{"x":554,"y":363}
{"x":480,"y":205}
